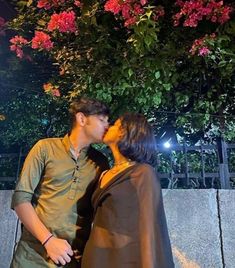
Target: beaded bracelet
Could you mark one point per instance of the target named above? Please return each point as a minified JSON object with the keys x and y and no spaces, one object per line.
{"x":44,"y":243}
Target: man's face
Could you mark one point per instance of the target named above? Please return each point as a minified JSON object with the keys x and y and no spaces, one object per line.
{"x":96,"y":127}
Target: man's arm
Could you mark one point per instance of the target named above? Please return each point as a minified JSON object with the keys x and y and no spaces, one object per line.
{"x":57,"y":249}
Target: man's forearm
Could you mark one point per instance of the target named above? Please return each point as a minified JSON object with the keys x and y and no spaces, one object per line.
{"x":57,"y":249}
{"x":31,"y":222}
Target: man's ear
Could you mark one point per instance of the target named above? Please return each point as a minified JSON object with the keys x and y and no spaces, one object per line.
{"x":81,"y":119}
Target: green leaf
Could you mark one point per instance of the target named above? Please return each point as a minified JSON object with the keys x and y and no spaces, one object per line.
{"x":130,"y":72}
{"x":167,"y":87}
{"x":157,"y":75}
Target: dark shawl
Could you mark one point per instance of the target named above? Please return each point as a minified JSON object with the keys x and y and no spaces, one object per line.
{"x":129,"y":229}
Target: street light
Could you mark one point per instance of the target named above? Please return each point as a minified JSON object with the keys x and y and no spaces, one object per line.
{"x":167,"y":144}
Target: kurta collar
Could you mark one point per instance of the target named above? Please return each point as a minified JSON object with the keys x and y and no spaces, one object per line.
{"x":68,"y":147}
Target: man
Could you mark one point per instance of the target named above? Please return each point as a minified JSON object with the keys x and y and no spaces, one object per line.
{"x":52,"y":196}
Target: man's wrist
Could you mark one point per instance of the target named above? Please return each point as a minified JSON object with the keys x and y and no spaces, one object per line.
{"x":48,"y":238}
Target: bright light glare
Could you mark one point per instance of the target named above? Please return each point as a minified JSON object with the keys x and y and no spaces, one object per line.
{"x":167,"y":144}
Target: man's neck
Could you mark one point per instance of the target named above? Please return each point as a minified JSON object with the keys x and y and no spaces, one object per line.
{"x":78,"y":140}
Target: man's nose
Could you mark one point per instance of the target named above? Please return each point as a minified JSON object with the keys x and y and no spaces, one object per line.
{"x":106,"y":125}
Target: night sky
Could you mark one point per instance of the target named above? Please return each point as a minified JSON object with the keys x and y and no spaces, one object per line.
{"x":6,"y":10}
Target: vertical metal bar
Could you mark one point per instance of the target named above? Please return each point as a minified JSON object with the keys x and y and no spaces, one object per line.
{"x":223,"y":164}
{"x":202,"y":165}
{"x":186,"y":164}
{"x":19,"y":163}
{"x":171,"y":167}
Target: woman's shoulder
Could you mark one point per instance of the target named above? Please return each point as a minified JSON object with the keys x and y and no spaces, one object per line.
{"x":144,"y":171}
{"x":144,"y":176}
{"x":144,"y":168}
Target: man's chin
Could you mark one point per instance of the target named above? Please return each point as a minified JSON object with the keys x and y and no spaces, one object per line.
{"x":98,"y":140}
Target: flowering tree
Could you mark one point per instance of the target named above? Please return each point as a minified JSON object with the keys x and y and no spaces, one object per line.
{"x":170,"y":59}
{"x":26,"y":113}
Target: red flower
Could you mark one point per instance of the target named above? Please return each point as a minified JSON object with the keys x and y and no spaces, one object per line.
{"x":138,"y":9}
{"x":77,"y":3}
{"x":47,"y":4}
{"x":41,"y":40}
{"x":64,"y":22}
{"x":130,"y":21}
{"x":196,"y":10}
{"x":143,"y":2}
{"x":52,"y":90}
{"x":17,"y":43}
{"x":115,"y":6}
{"x":131,"y":10}
{"x":203,"y":51}
{"x":200,"y":46}
{"x":126,"y":11}
{"x":158,"y":12}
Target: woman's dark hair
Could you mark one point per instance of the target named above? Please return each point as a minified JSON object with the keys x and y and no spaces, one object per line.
{"x":138,"y":141}
{"x":87,"y":106}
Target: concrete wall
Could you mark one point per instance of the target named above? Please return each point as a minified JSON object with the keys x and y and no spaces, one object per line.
{"x":201,"y":224}
{"x":8,"y":222}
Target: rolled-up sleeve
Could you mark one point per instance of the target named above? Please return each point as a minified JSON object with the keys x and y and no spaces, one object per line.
{"x":30,"y":175}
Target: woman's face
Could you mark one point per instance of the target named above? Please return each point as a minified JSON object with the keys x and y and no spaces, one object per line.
{"x":114,"y":133}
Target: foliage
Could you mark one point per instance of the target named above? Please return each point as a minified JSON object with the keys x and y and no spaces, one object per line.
{"x":173,"y":60}
{"x":26,"y":113}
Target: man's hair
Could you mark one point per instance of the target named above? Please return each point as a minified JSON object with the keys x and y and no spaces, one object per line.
{"x":87,"y":106}
{"x":138,"y":142}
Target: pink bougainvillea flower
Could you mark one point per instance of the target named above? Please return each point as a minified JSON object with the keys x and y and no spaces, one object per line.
{"x":63,"y":22}
{"x":200,"y":46}
{"x":130,"y":22}
{"x":47,"y":4}
{"x":138,"y":10}
{"x":77,"y":3}
{"x":203,"y":51}
{"x":55,"y":92}
{"x":126,"y":11}
{"x":17,"y":43}
{"x":131,"y":10}
{"x":194,"y":11}
{"x":52,"y":90}
{"x":115,"y":6}
{"x":143,"y":2}
{"x":158,"y":12}
{"x":42,"y":40}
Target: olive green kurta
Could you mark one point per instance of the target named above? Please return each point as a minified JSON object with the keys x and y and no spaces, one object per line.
{"x":59,"y":186}
{"x":129,"y":229}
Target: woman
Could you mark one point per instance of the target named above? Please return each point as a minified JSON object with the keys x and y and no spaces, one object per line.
{"x":129,"y":227}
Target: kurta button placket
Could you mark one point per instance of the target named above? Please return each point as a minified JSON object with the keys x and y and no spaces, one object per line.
{"x":74,"y":185}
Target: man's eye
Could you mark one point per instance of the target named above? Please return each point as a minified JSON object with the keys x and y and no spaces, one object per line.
{"x":102,"y":120}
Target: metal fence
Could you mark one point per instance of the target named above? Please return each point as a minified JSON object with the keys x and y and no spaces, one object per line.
{"x":180,"y":166}
{"x":200,"y":166}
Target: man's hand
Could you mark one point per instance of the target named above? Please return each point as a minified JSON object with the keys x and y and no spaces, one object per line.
{"x":59,"y":250}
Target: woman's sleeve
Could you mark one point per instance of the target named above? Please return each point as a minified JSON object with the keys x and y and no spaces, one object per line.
{"x":154,"y":239}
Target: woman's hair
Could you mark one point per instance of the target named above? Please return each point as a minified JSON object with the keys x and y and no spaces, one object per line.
{"x":138,"y":141}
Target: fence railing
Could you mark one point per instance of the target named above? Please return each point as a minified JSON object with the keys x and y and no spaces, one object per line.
{"x":180,"y":166}
{"x":199,"y":166}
